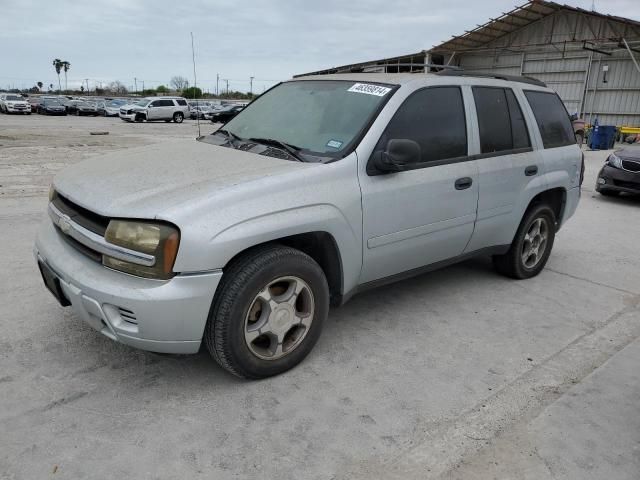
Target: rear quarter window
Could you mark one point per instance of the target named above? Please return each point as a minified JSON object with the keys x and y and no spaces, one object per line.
{"x":181,"y":102}
{"x":552,"y":119}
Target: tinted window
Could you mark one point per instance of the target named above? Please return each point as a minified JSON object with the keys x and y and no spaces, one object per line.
{"x":494,"y":122}
{"x":165,"y":103}
{"x":157,"y":103}
{"x":181,"y":102}
{"x":518,"y":124}
{"x":434,"y":118}
{"x":500,"y":121}
{"x":552,"y":119}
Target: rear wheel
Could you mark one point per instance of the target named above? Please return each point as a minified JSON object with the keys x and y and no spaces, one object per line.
{"x":268,"y":312}
{"x":531,"y":246}
{"x":178,"y":117}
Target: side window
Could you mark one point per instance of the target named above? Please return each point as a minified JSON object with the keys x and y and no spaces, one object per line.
{"x":518,"y":123}
{"x":181,"y":102}
{"x":494,"y":123}
{"x":552,"y":119}
{"x":165,"y":103}
{"x":434,"y":118}
{"x":156,"y":103}
{"x":501,"y":124}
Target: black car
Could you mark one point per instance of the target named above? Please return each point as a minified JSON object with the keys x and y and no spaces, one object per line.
{"x":620,"y":173}
{"x":226,"y":114}
{"x":51,"y":106}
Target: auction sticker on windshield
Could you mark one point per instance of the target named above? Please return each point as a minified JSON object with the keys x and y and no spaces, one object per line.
{"x":369,"y":89}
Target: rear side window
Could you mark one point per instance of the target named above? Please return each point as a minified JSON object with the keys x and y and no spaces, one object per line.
{"x":552,"y":119}
{"x":500,"y":121}
{"x":434,"y":118}
{"x":181,"y":102}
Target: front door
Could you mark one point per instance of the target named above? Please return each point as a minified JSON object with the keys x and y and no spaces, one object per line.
{"x":424,"y":215}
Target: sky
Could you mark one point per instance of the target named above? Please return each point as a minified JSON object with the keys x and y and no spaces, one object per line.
{"x":270,"y":40}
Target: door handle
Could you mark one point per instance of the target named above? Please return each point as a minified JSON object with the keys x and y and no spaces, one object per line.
{"x":531,"y":170}
{"x":463,"y":183}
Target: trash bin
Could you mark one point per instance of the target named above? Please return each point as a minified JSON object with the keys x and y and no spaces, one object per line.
{"x":602,"y":137}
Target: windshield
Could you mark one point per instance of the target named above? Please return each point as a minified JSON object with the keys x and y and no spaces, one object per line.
{"x":116,"y":103}
{"x":320,"y":117}
{"x":13,"y":98}
{"x":141,"y":103}
{"x":52,"y":101}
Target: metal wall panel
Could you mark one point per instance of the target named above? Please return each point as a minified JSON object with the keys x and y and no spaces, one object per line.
{"x":575,"y":73}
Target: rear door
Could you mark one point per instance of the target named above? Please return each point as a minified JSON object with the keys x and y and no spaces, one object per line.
{"x":510,"y":171}
{"x":424,"y":215}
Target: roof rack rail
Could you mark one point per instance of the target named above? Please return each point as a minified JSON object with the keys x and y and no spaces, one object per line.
{"x":420,"y":68}
{"x":509,"y":78}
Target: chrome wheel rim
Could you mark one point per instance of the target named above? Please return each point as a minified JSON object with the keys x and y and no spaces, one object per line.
{"x":535,"y":243}
{"x":279,"y":318}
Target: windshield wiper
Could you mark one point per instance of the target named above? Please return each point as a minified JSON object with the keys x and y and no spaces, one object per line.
{"x":287,"y":147}
{"x":230,"y":136}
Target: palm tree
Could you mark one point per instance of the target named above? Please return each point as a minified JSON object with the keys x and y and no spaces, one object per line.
{"x":57,"y":64}
{"x":39,"y":85}
{"x":65,"y":66}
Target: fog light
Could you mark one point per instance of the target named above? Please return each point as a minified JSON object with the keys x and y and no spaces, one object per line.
{"x":602,"y":181}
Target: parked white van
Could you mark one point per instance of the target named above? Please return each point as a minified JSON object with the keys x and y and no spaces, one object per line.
{"x":156,"y":108}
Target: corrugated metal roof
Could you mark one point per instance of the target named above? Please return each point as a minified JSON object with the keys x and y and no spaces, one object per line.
{"x":512,"y":21}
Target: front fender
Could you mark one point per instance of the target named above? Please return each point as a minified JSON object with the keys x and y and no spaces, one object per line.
{"x":234,"y":239}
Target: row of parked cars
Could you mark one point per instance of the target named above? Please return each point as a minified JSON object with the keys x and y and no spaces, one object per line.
{"x":134,"y":110}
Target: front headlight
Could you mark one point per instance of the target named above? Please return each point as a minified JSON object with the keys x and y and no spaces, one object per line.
{"x":158,"y":239}
{"x":614,"y":161}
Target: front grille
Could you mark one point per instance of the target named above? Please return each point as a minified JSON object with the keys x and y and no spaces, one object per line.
{"x":86,"y":218}
{"x":623,"y":184}
{"x":631,"y":166}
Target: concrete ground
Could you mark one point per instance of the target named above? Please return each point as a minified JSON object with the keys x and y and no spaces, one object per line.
{"x":458,"y":374}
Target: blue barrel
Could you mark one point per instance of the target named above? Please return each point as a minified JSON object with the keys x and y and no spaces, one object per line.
{"x":602,"y":137}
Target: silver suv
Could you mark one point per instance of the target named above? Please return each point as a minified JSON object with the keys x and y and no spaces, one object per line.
{"x":156,"y":108}
{"x":321,"y":188}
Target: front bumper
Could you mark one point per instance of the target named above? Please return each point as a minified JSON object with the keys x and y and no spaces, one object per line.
{"x":618,"y":180}
{"x":166,"y":316}
{"x":129,"y":117}
{"x":16,"y":109}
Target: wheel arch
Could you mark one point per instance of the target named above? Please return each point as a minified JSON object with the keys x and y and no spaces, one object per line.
{"x":556,"y":198}
{"x":319,"y":245}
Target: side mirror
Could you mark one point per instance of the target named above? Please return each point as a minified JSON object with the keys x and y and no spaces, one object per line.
{"x":400,"y":154}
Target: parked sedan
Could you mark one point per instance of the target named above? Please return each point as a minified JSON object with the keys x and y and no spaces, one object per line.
{"x":226,"y":114}
{"x":51,"y":106}
{"x":200,"y":111}
{"x":110,"y":108}
{"x":87,"y":108}
{"x":620,"y":173}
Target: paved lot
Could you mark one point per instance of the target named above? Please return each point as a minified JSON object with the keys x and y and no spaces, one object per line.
{"x":457,"y":374}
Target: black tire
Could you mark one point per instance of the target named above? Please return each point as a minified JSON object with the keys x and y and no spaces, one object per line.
{"x":139,"y":117}
{"x":511,"y":264}
{"x":78,"y":114}
{"x":247,"y":275}
{"x":178,"y":117}
{"x":609,"y":193}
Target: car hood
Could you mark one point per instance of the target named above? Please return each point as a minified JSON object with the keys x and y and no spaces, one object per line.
{"x":630,"y":153}
{"x":147,"y":182}
{"x":16,"y":102}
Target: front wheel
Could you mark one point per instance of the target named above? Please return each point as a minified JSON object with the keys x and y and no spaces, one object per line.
{"x":531,"y":246}
{"x":178,"y":117}
{"x":268,"y":312}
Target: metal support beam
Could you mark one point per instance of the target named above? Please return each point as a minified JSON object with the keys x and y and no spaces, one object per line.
{"x":635,"y":62}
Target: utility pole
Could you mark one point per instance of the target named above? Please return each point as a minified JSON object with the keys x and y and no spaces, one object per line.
{"x":135,"y":81}
{"x":143,"y":85}
{"x":251,"y":86}
{"x":87,"y":80}
{"x":217,"y":82}
{"x":227,"y":80}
